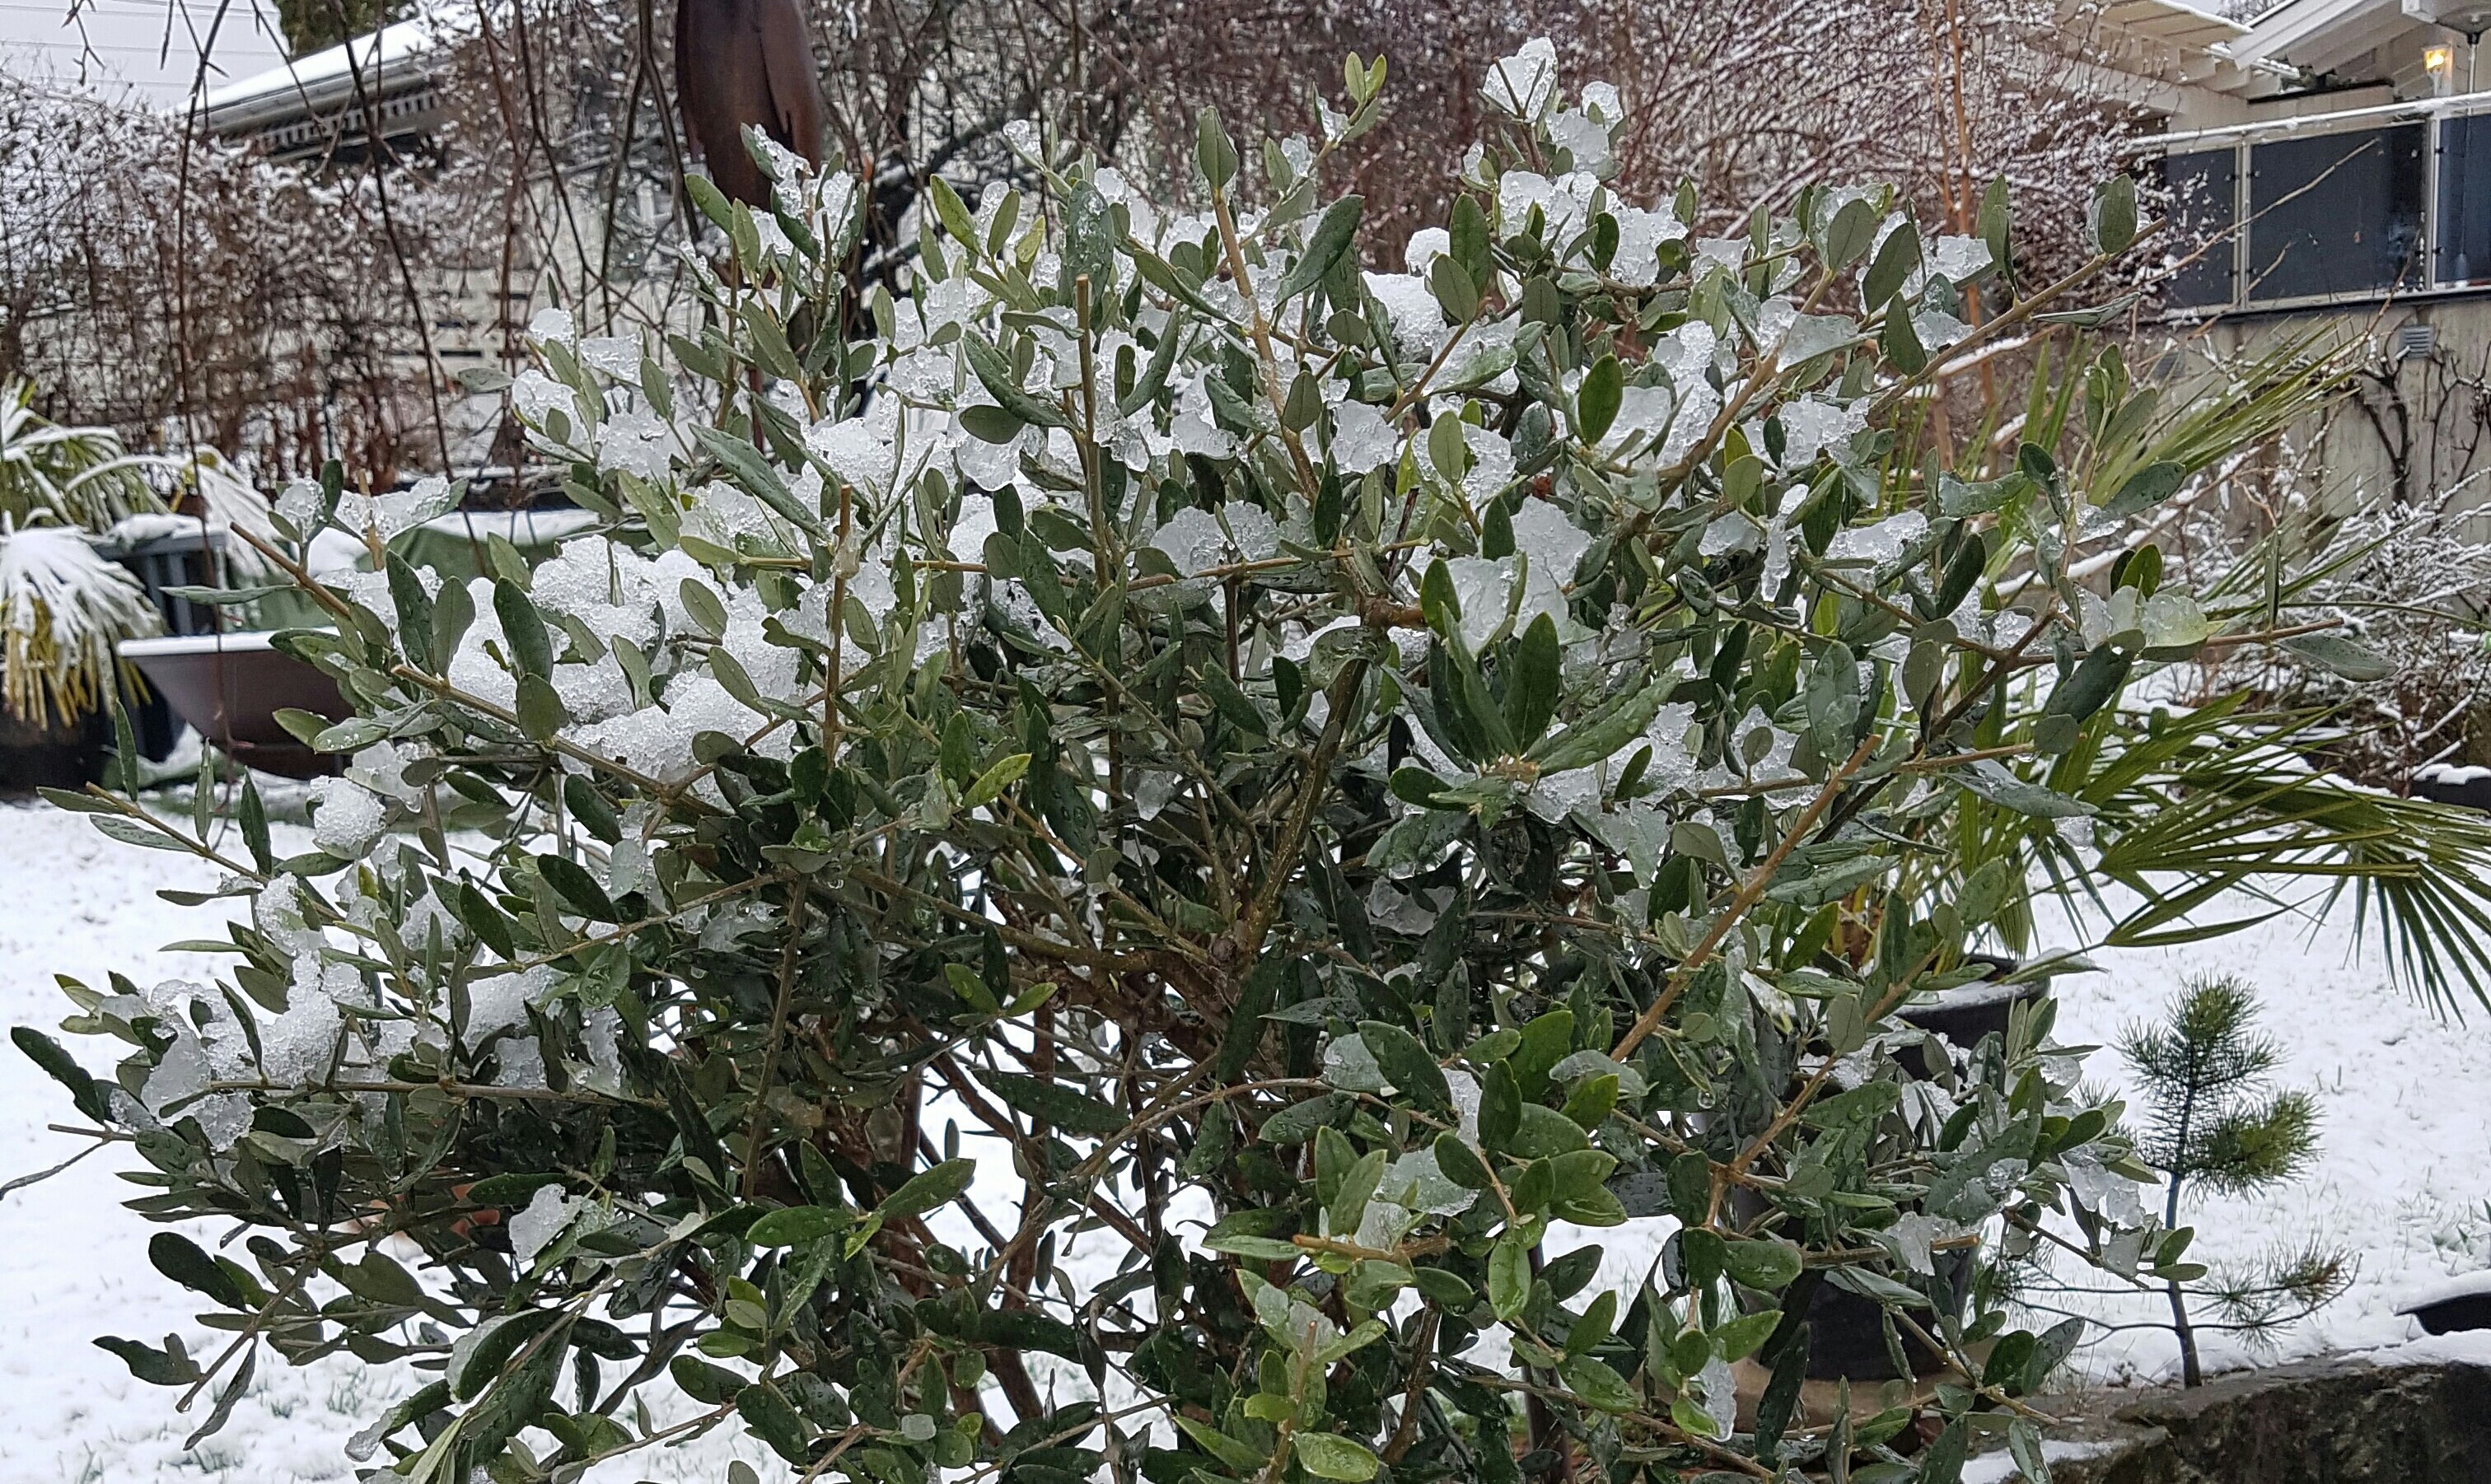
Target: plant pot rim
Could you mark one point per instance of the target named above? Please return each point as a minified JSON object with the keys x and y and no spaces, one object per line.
{"x":197,"y":644}
{"x":1978,"y":992}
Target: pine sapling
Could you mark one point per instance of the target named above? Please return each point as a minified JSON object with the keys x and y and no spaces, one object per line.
{"x":2211,"y":1122}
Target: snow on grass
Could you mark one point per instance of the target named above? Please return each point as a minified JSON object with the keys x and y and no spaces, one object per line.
{"x":74,"y":1264}
{"x":2401,"y":1179}
{"x":2000,"y":1468}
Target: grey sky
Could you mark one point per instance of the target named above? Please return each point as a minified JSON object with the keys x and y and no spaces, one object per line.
{"x":126,"y":45}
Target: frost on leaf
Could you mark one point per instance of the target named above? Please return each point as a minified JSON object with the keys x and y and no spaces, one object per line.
{"x":1418,"y":328}
{"x":1564,"y":203}
{"x":392,"y":515}
{"x":1960,"y":260}
{"x":1812,"y":425}
{"x":532,"y":396}
{"x":1192,"y":541}
{"x":635,"y":442}
{"x":1640,"y":234}
{"x":551,"y":326}
{"x":1194,"y":430}
{"x":616,"y":355}
{"x":347,"y":819}
{"x":1486,"y":592}
{"x":534,"y":1228}
{"x":1879,"y":544}
{"x":1426,"y":245}
{"x":1552,"y":547}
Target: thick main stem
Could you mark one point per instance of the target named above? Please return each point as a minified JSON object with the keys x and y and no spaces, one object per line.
{"x":2190,"y":1373}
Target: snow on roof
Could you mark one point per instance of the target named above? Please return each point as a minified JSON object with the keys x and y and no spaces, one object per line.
{"x":2320,"y":34}
{"x":388,"y":59}
{"x":2186,"y":26}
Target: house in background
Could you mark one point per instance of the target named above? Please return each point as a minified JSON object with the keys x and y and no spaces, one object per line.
{"x":2331,"y":161}
{"x":331,"y":112}
{"x":323,"y":107}
{"x":394,"y":95}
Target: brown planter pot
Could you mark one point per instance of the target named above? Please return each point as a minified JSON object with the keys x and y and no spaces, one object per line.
{"x":229,"y":688}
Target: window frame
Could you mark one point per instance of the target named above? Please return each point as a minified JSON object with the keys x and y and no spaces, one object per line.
{"x":2240,"y":142}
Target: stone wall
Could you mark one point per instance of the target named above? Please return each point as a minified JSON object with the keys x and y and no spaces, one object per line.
{"x":2330,"y":1422}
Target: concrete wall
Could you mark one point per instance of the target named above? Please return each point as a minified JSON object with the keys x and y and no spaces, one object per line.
{"x":2414,"y":428}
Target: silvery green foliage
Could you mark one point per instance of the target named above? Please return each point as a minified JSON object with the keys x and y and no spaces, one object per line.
{"x":1337,"y":782}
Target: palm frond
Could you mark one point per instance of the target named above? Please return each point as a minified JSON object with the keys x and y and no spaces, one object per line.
{"x":2223,"y":799}
{"x":63,"y":611}
{"x":72,"y":476}
{"x":2206,"y":421}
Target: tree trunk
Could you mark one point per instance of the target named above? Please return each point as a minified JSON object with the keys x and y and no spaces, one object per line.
{"x":2190,"y":1374}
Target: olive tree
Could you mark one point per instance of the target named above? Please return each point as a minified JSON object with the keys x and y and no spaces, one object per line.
{"x":1297,"y":796}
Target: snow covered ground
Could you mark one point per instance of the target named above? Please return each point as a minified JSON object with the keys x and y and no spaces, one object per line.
{"x":2403,"y":1178}
{"x":74,"y":1263}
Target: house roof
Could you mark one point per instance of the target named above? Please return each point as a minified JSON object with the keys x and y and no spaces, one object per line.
{"x":390,"y":61}
{"x":2325,"y":36}
{"x":2185,"y":27}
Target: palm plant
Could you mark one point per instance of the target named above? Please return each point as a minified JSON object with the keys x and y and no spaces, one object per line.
{"x":64,"y":608}
{"x":63,"y":611}
{"x":2183,"y":807}
{"x":72,"y":475}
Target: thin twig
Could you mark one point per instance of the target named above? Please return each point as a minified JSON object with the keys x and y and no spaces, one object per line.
{"x":1749,"y":894}
{"x":40,"y":1175}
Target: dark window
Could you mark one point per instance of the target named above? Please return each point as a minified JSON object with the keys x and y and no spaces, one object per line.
{"x":2462,"y":255}
{"x":2204,"y":206}
{"x":2337,"y":213}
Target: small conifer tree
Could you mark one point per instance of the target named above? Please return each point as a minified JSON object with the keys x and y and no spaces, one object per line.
{"x":2214,"y":1123}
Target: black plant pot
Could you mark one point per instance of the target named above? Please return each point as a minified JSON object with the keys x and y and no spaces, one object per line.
{"x":1968,"y":1012}
{"x":2459,"y":1305}
{"x":163,"y":567}
{"x":1846,"y":1332}
{"x":59,"y":754}
{"x":2440,"y":783}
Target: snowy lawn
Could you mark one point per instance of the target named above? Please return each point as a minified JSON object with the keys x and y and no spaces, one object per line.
{"x":74,"y":1263}
{"x":2402,"y":1177}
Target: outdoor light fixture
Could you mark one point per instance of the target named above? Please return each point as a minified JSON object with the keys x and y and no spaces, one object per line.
{"x":2439,"y":60}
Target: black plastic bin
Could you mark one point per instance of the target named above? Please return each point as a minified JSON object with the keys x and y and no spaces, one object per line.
{"x":187,"y":559}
